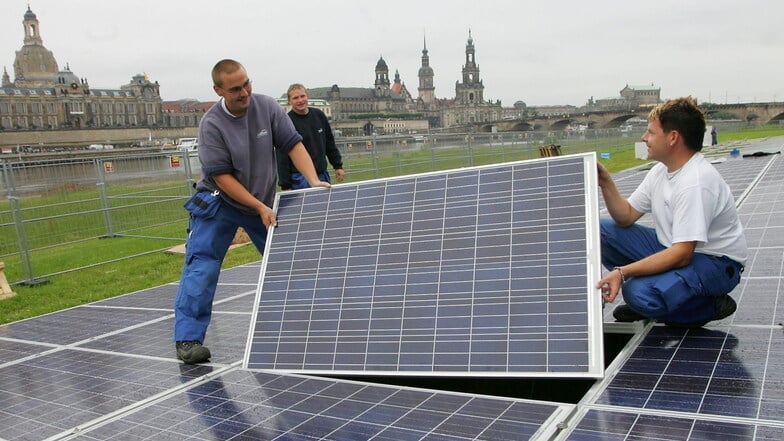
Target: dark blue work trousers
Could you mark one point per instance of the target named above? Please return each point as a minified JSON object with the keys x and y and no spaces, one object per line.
{"x":298,"y":181}
{"x":208,"y":241}
{"x":682,"y":295}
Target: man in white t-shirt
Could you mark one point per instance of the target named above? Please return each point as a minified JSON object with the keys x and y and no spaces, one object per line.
{"x":681,"y":271}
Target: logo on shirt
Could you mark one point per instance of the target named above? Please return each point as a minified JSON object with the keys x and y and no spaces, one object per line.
{"x":263,"y":132}
{"x":321,"y":131}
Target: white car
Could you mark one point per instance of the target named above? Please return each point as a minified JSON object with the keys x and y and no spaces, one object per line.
{"x":188,"y":144}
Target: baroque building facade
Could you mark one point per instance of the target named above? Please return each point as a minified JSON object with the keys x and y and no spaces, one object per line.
{"x":43,"y":96}
{"x":469,"y":105}
{"x":630,"y":97}
{"x":392,"y":99}
{"x":384,"y":97}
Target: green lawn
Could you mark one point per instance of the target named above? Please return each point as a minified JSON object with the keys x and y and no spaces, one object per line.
{"x":149,"y":269}
{"x":105,"y":281}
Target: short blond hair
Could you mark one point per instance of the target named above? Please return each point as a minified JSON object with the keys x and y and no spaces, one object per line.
{"x":295,"y":86}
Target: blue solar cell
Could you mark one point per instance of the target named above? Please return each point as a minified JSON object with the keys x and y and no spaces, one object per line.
{"x":429,"y":257}
{"x":700,"y":371}
{"x":602,"y":425}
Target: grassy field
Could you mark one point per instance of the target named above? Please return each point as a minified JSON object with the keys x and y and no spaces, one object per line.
{"x":105,"y":281}
{"x":151,"y":269}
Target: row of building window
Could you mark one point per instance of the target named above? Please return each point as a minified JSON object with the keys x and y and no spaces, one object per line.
{"x":457,"y":119}
{"x":24,"y":122}
{"x":75,"y":106}
{"x":358,"y":107}
{"x":182,"y":121}
{"x":48,"y":92}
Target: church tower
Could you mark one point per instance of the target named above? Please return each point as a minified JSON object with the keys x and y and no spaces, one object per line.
{"x":382,"y":78}
{"x":427,"y":92}
{"x":6,"y":79}
{"x":34,"y":65}
{"x":470,"y":91}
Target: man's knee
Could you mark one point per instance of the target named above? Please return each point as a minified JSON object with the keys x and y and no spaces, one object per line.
{"x":609,"y":231}
{"x":644,"y":302}
{"x":606,"y":226}
{"x":658,"y":296}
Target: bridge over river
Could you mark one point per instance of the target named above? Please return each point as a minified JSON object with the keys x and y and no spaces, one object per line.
{"x":759,"y":113}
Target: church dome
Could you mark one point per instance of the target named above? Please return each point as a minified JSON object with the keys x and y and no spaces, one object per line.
{"x":381,"y":65}
{"x":30,"y":15}
{"x":34,"y":65}
{"x":425,"y":71}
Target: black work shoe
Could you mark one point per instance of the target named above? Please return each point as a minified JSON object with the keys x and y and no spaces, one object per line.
{"x":725,"y":307}
{"x":625,"y":313}
{"x":192,"y":352}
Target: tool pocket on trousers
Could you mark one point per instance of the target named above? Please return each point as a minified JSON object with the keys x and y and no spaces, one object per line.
{"x":723,"y":276}
{"x":676,"y":288}
{"x":204,"y":204}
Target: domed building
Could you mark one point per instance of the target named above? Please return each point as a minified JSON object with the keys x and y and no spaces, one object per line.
{"x":468,"y":107}
{"x":34,"y":65}
{"x":383,"y":97}
{"x":43,"y":96}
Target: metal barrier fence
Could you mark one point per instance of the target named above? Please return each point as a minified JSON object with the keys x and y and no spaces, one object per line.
{"x":69,"y":214}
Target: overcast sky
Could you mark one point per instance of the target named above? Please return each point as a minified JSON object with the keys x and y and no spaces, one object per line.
{"x":541,"y":52}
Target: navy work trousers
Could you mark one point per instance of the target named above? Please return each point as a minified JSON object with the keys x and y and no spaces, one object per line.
{"x":298,"y":181}
{"x":682,"y":295}
{"x":208,"y":241}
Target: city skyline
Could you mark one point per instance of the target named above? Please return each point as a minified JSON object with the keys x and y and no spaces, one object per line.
{"x":537,"y":53}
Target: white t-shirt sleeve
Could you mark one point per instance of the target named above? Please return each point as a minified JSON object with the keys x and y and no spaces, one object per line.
{"x":640,"y":199}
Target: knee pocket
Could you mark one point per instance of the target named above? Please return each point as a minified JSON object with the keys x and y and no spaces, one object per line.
{"x":656,"y":296}
{"x":677,"y":287}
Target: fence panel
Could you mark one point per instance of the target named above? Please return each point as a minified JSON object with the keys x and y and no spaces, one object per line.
{"x":62,"y":215}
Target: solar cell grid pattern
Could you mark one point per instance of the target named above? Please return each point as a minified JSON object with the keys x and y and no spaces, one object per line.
{"x":480,"y":270}
{"x":253,"y":406}
{"x":607,"y":425}
{"x":734,"y":372}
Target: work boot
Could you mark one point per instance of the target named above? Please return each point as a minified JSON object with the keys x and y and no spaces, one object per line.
{"x":192,"y":352}
{"x":724,"y":306}
{"x":625,"y":313}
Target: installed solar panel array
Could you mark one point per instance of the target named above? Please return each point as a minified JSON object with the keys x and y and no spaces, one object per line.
{"x":487,"y":270}
{"x":106,"y":371}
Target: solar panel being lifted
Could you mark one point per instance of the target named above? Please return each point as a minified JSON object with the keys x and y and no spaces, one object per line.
{"x":487,"y":271}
